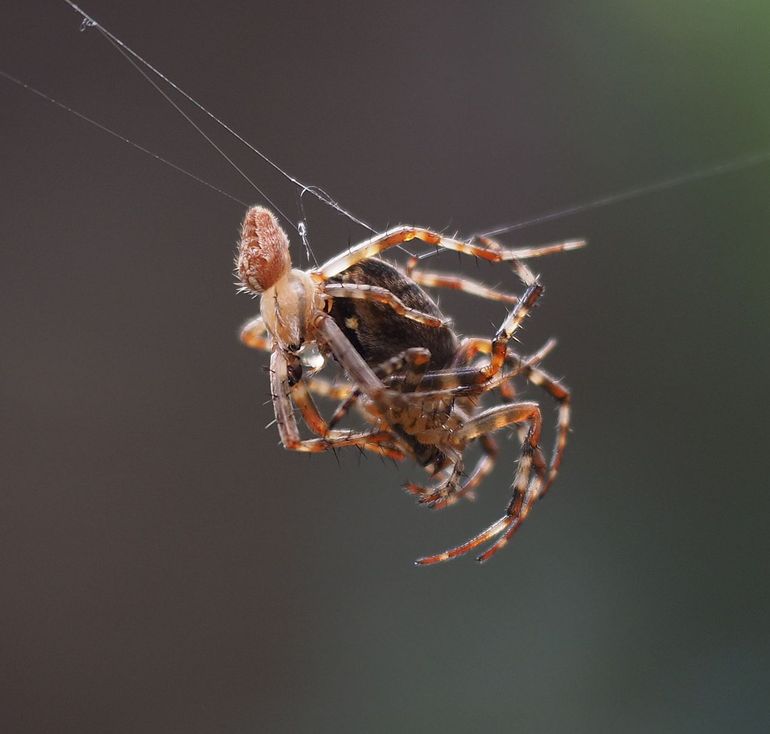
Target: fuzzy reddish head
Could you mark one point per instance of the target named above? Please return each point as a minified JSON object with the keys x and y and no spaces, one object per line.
{"x":263,"y":253}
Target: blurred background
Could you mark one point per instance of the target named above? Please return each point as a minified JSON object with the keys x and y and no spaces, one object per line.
{"x":167,"y":566}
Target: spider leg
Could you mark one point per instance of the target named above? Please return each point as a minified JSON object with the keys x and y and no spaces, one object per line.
{"x":375,"y":293}
{"x":507,"y":525}
{"x":437,"y":499}
{"x":302,"y":398}
{"x":449,"y":485}
{"x":411,"y":422}
{"x":524,"y":491}
{"x":481,"y":471}
{"x":344,"y":407}
{"x":287,"y":424}
{"x":406,"y":417}
{"x":524,"y":253}
{"x":384,"y":442}
{"x":562,"y":395}
{"x":326,"y":389}
{"x":254,"y":334}
{"x":451,"y":382}
{"x":448,"y":490}
{"x":400,"y":235}
{"x":414,"y":360}
{"x":475,"y":378}
{"x":470,"y":347}
{"x":479,"y":426}
{"x":537,"y":376}
{"x":506,"y":388}
{"x":455,"y":282}
{"x":351,"y":361}
{"x":465,"y":285}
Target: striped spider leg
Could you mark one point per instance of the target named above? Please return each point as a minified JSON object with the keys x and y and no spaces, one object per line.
{"x":524,"y":494}
{"x":433,"y":279}
{"x":254,"y":335}
{"x":451,"y":438}
{"x":458,"y":393}
{"x":536,"y":376}
{"x":532,"y":372}
{"x":368,"y":328}
{"x":379,"y":441}
{"x":523,"y":499}
{"x":430,"y":423}
{"x":368,"y":249}
{"x":466,"y":409}
{"x":426,"y":418}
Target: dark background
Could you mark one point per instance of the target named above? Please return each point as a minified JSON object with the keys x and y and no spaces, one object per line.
{"x":165,"y":566}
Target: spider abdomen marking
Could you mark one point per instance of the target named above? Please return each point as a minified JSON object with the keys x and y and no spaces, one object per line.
{"x":376,"y":331}
{"x":379,"y":334}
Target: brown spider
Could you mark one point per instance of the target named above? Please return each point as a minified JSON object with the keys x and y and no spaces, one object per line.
{"x":386,"y":332}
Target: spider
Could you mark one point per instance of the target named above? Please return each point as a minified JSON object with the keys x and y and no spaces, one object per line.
{"x":386,"y":334}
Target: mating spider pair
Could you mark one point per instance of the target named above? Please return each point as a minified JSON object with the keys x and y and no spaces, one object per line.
{"x":415,"y":381}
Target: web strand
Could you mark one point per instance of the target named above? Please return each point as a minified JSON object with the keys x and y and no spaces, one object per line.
{"x":201,"y":132}
{"x":734,"y":164}
{"x":749,"y":160}
{"x":122,"y":138}
{"x":314,"y":191}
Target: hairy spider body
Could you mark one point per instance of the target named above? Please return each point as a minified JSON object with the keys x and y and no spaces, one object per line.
{"x":376,"y":331}
{"x":379,"y":335}
{"x":418,"y":384}
{"x":402,"y":349}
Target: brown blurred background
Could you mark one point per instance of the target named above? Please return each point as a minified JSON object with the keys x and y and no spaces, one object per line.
{"x":165,"y":566}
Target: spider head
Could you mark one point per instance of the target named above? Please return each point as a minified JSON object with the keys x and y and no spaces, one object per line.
{"x":263,"y":265}
{"x":263,"y":252}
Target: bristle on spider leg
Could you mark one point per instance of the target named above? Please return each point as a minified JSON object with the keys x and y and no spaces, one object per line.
{"x":495,"y":529}
{"x":502,"y":541}
{"x":499,"y":544}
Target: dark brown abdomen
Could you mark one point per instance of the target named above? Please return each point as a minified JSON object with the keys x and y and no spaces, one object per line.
{"x":376,"y":331}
